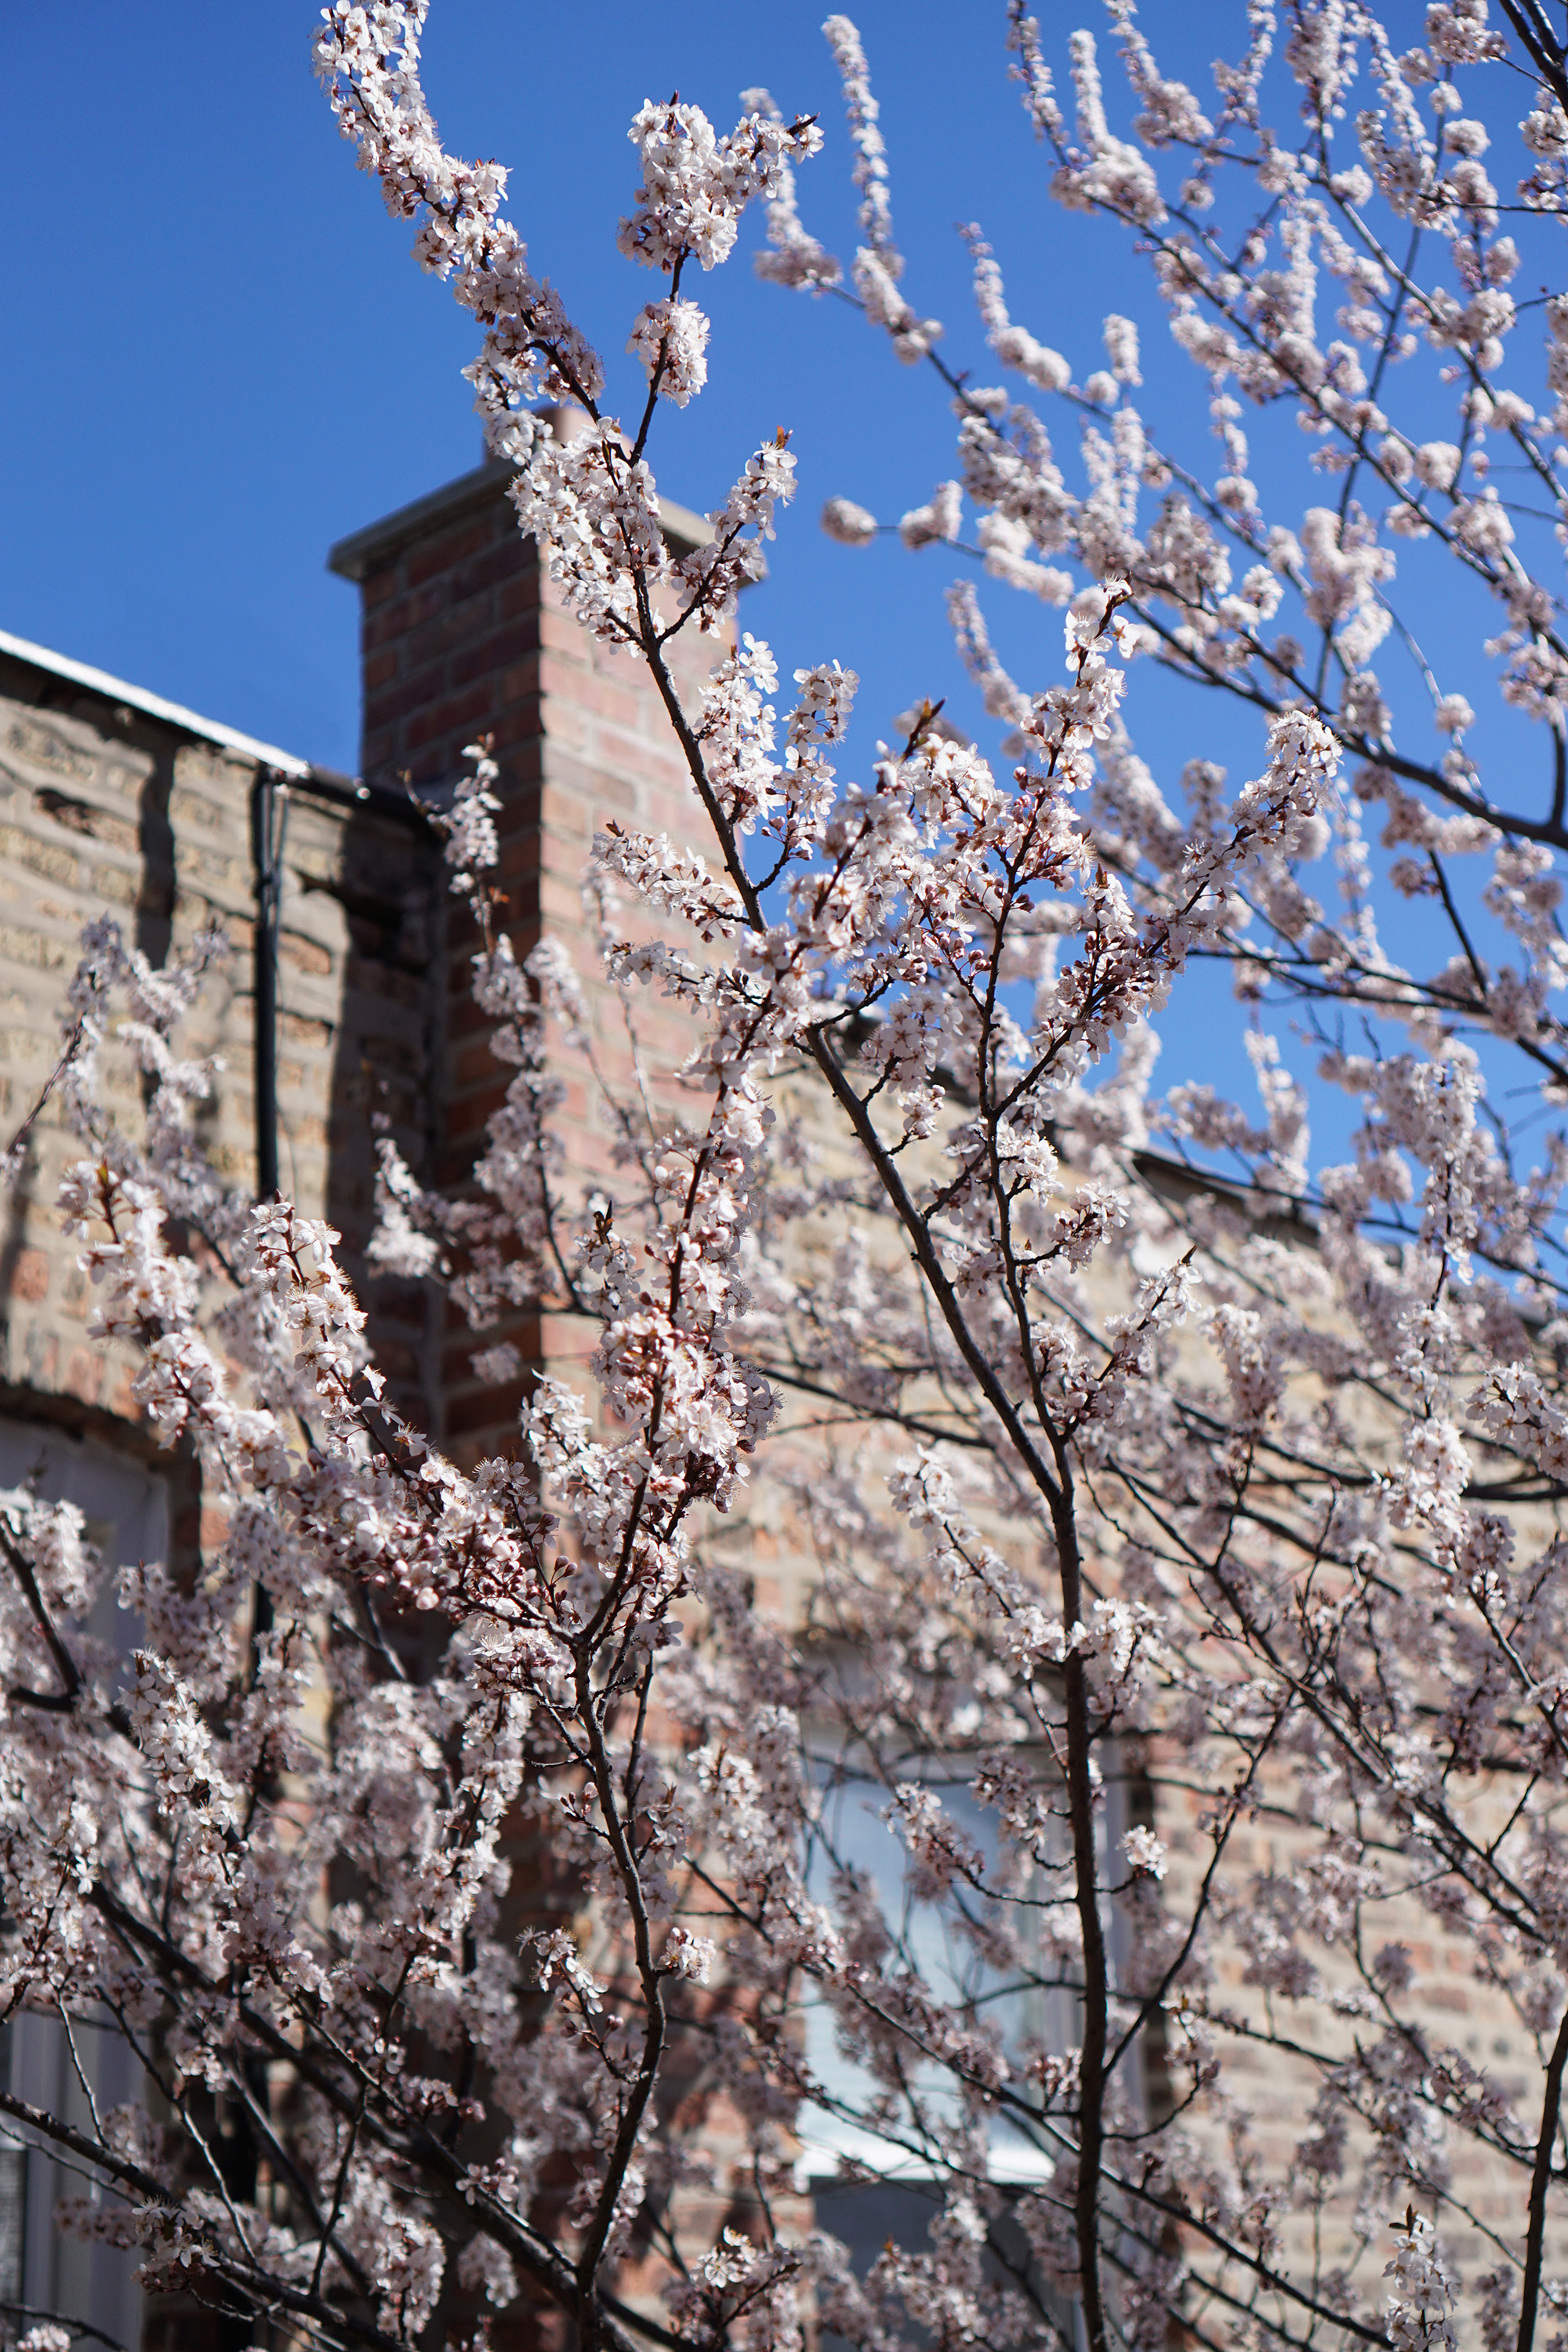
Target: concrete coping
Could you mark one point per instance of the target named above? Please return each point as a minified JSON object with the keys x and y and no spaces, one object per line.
{"x":325,"y":785}
{"x":118,"y":691}
{"x":379,"y":543}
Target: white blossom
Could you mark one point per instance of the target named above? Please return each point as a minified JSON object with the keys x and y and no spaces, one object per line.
{"x":946,"y":1434}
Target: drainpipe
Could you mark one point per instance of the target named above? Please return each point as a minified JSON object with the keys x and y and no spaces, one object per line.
{"x":269,"y":825}
{"x":271,"y":792}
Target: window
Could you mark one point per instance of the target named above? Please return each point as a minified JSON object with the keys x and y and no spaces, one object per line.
{"x":898,"y":2205}
{"x":126,"y":1513}
{"x":858,"y":1836}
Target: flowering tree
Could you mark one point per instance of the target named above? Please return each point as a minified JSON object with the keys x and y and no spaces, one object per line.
{"x":1185,"y":1574}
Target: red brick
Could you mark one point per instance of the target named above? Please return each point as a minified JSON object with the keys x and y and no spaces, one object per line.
{"x":413,"y":692}
{"x":495,"y":654}
{"x":377,"y":586}
{"x":463,"y":635}
{"x":30,"y":1276}
{"x":423,"y":562}
{"x":488,"y":571}
{"x":83,"y":1374}
{"x":456,"y":715}
{"x":520,"y":597}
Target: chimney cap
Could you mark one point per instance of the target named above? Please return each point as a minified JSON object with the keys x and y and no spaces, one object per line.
{"x":370,"y":550}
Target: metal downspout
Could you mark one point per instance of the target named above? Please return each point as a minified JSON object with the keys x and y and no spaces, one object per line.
{"x":269,"y":825}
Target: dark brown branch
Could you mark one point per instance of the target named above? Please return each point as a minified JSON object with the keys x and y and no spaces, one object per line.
{"x":1535,"y":2237}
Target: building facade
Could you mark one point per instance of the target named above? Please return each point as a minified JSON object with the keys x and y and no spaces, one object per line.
{"x":342,"y":1009}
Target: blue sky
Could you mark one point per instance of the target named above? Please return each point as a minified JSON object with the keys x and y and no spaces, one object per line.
{"x":221,"y":357}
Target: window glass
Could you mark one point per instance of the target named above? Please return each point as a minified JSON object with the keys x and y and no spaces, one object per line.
{"x":928,"y":1938}
{"x":1031,"y":2006}
{"x":126,"y":1507}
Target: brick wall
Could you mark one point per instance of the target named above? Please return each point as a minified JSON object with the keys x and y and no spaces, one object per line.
{"x":106,"y":807}
{"x":113,"y":801}
{"x":462,"y":635}
{"x":104,"y":804}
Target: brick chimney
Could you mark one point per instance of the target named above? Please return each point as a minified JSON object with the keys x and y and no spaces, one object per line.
{"x":462,"y":635}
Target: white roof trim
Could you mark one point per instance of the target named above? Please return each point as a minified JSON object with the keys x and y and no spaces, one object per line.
{"x":824,"y":2143}
{"x":153,"y":706}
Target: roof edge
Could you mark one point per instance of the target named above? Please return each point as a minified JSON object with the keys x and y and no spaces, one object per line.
{"x":154,"y":705}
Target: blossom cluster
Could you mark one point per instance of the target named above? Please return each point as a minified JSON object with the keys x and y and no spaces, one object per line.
{"x":1037,"y":1666}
